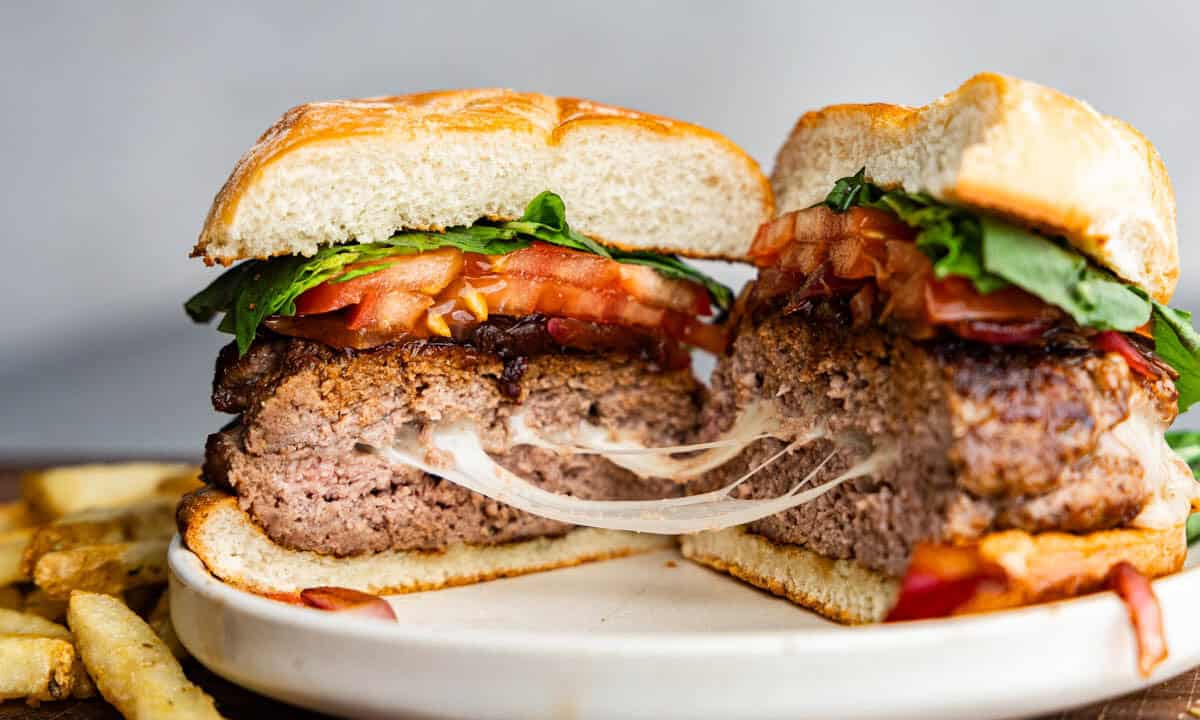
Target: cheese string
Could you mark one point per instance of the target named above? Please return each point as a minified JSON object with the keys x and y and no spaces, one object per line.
{"x":468,"y":465}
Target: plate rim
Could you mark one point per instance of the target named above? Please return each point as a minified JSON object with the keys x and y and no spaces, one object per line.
{"x":190,"y":570}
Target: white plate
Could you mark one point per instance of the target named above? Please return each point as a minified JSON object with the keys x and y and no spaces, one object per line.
{"x":655,"y":636}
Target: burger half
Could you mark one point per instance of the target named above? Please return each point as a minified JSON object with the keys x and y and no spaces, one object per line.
{"x":404,"y":261}
{"x":982,"y":282}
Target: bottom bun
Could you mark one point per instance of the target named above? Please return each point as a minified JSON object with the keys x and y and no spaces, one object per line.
{"x":841,"y":590}
{"x":237,"y":551}
{"x":1038,"y":568}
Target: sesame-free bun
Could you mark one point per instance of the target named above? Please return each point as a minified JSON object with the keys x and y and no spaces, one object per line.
{"x":236,"y":550}
{"x":1037,"y":567}
{"x":359,"y":170}
{"x":1009,"y":147}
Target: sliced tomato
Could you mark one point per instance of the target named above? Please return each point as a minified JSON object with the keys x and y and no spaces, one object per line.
{"x":545,"y":261}
{"x":801,"y":241}
{"x":426,"y":273}
{"x":653,"y":288}
{"x":396,"y":309}
{"x":955,"y":299}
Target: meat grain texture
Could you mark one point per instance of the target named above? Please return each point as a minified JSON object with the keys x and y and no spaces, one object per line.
{"x":989,"y":438}
{"x":291,"y":458}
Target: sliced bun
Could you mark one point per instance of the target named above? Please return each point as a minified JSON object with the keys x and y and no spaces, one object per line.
{"x":841,"y":590}
{"x":331,"y":172}
{"x":1010,"y":147}
{"x":238,"y":552}
{"x":1041,"y":567}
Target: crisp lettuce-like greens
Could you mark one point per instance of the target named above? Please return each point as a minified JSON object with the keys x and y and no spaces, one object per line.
{"x":254,"y":290}
{"x":1186,"y":444}
{"x":993,"y":254}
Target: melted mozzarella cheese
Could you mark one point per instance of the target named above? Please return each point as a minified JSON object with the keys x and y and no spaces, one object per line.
{"x":461,"y":459}
{"x":1173,"y":487}
{"x":759,"y":420}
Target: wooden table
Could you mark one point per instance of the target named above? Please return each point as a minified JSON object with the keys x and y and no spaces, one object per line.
{"x":1168,"y":701}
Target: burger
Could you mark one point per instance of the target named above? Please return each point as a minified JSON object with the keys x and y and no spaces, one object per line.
{"x":399,"y":262}
{"x":979,"y":285}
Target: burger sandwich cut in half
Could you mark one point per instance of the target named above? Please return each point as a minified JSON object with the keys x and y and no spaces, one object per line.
{"x":976,"y":288}
{"x":405,"y":263}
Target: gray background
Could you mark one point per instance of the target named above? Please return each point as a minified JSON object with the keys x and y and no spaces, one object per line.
{"x":121,"y":121}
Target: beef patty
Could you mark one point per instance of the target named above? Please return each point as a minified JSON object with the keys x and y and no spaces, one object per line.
{"x":989,"y":438}
{"x":303,"y":406}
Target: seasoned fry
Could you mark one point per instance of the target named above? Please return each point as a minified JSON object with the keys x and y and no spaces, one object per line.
{"x":16,"y":515}
{"x":160,"y":621}
{"x":145,"y":520}
{"x":12,"y":547}
{"x":35,"y":668}
{"x":108,"y":569}
{"x":56,"y":492}
{"x":18,"y":623}
{"x":10,"y":598}
{"x":37,"y":602}
{"x":132,"y":668}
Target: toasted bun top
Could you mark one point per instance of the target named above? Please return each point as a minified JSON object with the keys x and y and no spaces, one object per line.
{"x":332,"y":172}
{"x":1009,"y":147}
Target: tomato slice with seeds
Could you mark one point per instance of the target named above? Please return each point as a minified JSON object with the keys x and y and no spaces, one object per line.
{"x":426,"y":273}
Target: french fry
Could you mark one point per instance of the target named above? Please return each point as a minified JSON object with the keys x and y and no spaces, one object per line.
{"x":13,"y":624}
{"x":145,"y":520}
{"x":56,"y":492}
{"x":12,"y":547}
{"x":10,"y":598}
{"x":108,"y":569}
{"x":18,"y":623}
{"x":16,"y":515}
{"x":35,"y":668}
{"x":37,"y":602}
{"x":159,"y":621}
{"x":130,"y":665}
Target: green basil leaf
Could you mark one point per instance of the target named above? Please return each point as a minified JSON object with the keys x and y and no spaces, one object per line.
{"x":250,"y":292}
{"x":1186,"y":444}
{"x":993,"y":254}
{"x":950,"y":236}
{"x":1062,"y":278}
{"x":1174,"y":342}
{"x":219,"y":295}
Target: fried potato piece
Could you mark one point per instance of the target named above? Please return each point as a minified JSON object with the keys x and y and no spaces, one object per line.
{"x":35,"y":668}
{"x":132,"y":668}
{"x":16,"y":515}
{"x":60,"y":491}
{"x":38,"y":602}
{"x":160,"y":622}
{"x":109,"y":569}
{"x":12,"y":548}
{"x":10,"y":598}
{"x":145,"y":520}
{"x":18,"y":623}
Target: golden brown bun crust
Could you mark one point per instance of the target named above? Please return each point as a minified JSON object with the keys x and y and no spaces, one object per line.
{"x":238,"y":552}
{"x":1009,"y":147}
{"x":1040,"y":568}
{"x":450,"y":115}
